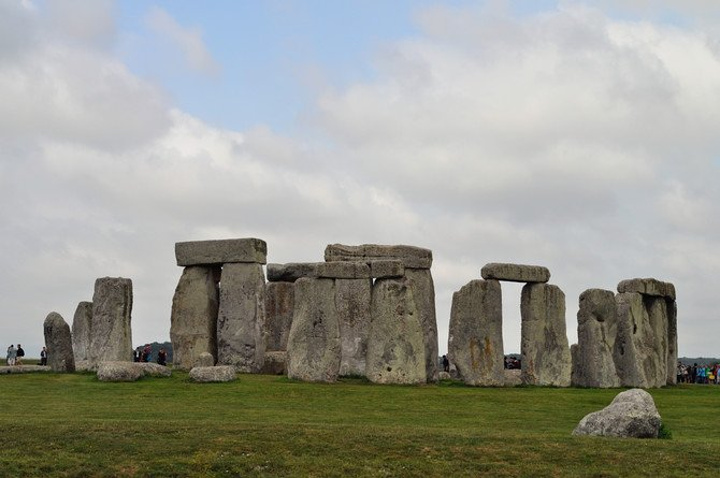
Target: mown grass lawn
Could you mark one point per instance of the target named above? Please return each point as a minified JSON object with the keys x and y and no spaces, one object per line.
{"x":74,"y":425}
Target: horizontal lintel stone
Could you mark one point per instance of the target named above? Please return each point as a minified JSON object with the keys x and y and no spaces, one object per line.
{"x":343,"y":270}
{"x":412,"y":257}
{"x":515,"y":272}
{"x":648,"y":286}
{"x":222,"y":251}
{"x":291,"y":271}
{"x":386,"y":269}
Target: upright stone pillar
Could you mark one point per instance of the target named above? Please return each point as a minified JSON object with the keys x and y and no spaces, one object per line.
{"x":396,"y":345}
{"x":672,"y":342}
{"x":241,"y":317}
{"x":193,"y":320}
{"x":593,"y":364}
{"x":58,"y":342}
{"x":424,"y":292}
{"x":82,"y":321}
{"x":544,"y":346}
{"x":279,"y":305}
{"x":314,"y":349}
{"x":352,"y":302}
{"x":475,"y":343}
{"x":111,"y":335}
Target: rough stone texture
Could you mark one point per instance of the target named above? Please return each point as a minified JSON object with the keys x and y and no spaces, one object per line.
{"x":82,"y":321}
{"x":193,"y":320}
{"x":153,"y":369}
{"x":512,"y":377}
{"x":592,"y":358}
{"x":384,"y":269}
{"x":396,"y":345}
{"x":444,"y":376}
{"x":206,"y":359}
{"x":672,"y":342}
{"x":84,"y":366}
{"x":423,"y":289}
{"x":58,"y":341}
{"x":648,"y":286}
{"x":23,"y":369}
{"x":411,"y":256}
{"x":475,"y":342}
{"x":544,"y":345}
{"x":223,"y":251}
{"x":291,"y":271}
{"x":221,"y":373}
{"x":515,"y":272}
{"x":632,"y":414}
{"x":343,"y":270}
{"x":241,"y":317}
{"x":352,"y":303}
{"x":279,"y":305}
{"x":314,"y":350}
{"x":111,"y":336}
{"x":275,"y":363}
{"x":640,"y":352}
{"x":113,"y":371}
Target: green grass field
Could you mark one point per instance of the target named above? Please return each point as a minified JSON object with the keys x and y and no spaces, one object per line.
{"x":74,"y":425}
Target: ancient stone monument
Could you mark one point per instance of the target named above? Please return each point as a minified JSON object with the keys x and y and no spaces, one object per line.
{"x":239,"y":321}
{"x":111,"y":336}
{"x":632,"y":414}
{"x":58,"y":342}
{"x":81,"y":333}
{"x":475,"y":343}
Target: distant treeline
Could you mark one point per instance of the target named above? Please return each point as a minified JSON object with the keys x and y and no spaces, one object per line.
{"x":699,"y":360}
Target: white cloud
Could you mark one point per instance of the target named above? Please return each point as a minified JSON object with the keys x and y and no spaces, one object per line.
{"x":188,"y":41}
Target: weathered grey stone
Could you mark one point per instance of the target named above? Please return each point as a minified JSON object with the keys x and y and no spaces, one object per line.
{"x":58,"y":341}
{"x":515,"y":272}
{"x":114,"y":371}
{"x":672,"y":342}
{"x":512,"y":377}
{"x":592,"y":358}
{"x":111,"y":336}
{"x":84,"y":366}
{"x":205,"y":359}
{"x":153,"y":369}
{"x":544,"y":346}
{"x":24,"y":369}
{"x":396,"y":345}
{"x":275,"y":363}
{"x":221,"y":373}
{"x":632,"y":414}
{"x":193,"y":320}
{"x":279,"y":305}
{"x":352,"y":303}
{"x":314,"y":350}
{"x":224,"y":251}
{"x":343,"y":270}
{"x":423,"y":289}
{"x":475,"y":342}
{"x":648,"y":286}
{"x":291,"y":271}
{"x":444,"y":376}
{"x":411,"y":256}
{"x":82,"y":321}
{"x":640,"y":351}
{"x":241,"y":317}
{"x":385,"y":269}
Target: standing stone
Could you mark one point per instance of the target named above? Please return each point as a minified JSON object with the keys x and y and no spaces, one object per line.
{"x":656,"y":368}
{"x":241,"y":317}
{"x":475,"y":342}
{"x":672,"y":343}
{"x":396,"y":346}
{"x":58,"y":342}
{"x":279,"y":305}
{"x":544,"y":345}
{"x":111,"y":336}
{"x":423,"y":289}
{"x":352,"y":302}
{"x":314,"y":350}
{"x":593,"y":364}
{"x":82,"y":321}
{"x":193,"y":320}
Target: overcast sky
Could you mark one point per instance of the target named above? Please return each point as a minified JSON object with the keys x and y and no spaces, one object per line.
{"x":581,"y":136}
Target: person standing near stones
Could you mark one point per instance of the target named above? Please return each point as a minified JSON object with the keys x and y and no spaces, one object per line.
{"x":162,"y":357}
{"x":137,"y":353}
{"x":43,"y":356}
{"x":11,"y":355}
{"x":147,"y":351}
{"x":446,"y":363}
{"x":20,"y":353}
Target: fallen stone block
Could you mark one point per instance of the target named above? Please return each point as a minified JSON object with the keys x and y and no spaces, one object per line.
{"x":632,"y":414}
{"x":221,"y":373}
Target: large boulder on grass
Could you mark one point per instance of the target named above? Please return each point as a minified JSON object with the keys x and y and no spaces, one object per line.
{"x":632,"y":414}
{"x":221,"y":373}
{"x":114,"y":371}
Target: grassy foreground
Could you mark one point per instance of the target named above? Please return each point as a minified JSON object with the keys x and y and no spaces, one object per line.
{"x":74,"y":425}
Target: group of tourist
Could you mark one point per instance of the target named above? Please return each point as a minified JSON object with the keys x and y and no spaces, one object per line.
{"x":143,"y":354}
{"x":698,"y":373}
{"x":15,"y":355}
